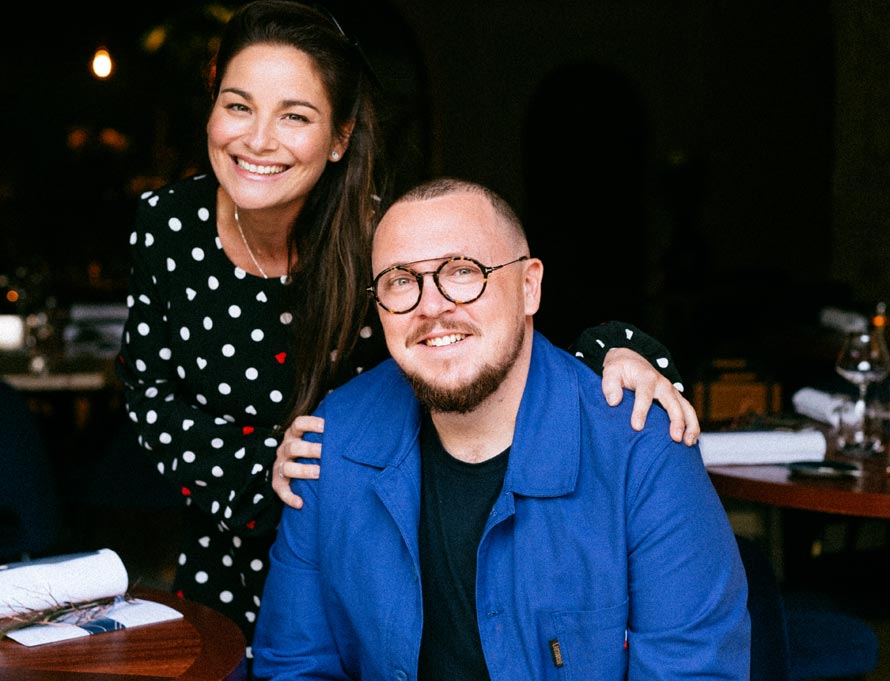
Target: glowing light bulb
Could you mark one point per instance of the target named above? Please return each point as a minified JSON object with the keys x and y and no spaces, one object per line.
{"x":102,"y":64}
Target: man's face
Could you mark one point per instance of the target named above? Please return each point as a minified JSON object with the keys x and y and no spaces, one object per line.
{"x":456,"y":355}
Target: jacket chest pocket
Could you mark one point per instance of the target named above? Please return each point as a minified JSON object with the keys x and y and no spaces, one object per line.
{"x":587,"y":644}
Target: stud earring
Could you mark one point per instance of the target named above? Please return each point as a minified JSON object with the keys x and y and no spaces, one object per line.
{"x":335,"y":155}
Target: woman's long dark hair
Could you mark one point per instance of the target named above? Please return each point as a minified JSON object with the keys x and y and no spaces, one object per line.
{"x":332,"y":234}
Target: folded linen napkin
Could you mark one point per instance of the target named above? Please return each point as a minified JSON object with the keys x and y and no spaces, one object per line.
{"x":45,"y":582}
{"x":761,"y":447}
{"x":842,"y":320}
{"x":823,"y":407}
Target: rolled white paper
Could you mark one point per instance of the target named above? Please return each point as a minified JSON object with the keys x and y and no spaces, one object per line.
{"x":45,"y":582}
{"x":823,"y":407}
{"x":761,"y":447}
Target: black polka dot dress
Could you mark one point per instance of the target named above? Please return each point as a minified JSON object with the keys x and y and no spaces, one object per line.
{"x":207,"y":367}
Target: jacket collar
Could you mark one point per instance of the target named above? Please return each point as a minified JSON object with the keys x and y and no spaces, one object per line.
{"x":545,"y":454}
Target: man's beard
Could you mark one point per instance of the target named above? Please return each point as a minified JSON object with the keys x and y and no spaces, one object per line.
{"x":466,"y":398}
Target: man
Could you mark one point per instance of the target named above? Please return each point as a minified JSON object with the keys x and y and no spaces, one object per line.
{"x":481,"y":511}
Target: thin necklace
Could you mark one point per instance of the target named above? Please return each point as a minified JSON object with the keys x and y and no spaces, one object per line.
{"x":247,"y":245}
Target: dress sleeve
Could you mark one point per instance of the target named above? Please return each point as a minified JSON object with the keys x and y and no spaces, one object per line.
{"x":595,"y":341}
{"x":218,"y":465}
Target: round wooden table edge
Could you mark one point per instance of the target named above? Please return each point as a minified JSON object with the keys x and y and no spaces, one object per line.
{"x":220,"y":645}
{"x":774,"y":485}
{"x":219,"y":656}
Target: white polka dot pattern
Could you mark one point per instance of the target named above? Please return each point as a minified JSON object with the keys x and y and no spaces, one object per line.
{"x":207,"y":368}
{"x":595,"y":342}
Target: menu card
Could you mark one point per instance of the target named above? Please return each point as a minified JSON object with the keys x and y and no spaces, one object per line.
{"x":70,"y":596}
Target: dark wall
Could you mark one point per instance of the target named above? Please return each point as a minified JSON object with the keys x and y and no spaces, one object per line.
{"x":675,"y":162}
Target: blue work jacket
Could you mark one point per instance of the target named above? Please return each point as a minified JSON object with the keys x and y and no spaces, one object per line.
{"x":607,"y":555}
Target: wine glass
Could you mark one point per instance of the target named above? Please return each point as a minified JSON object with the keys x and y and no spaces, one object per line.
{"x":863,"y":360}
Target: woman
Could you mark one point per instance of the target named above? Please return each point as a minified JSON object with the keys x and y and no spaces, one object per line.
{"x":247,"y":292}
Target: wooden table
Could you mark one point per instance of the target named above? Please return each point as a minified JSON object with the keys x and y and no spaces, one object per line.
{"x":203,"y":646}
{"x":76,"y":394}
{"x":74,"y":381}
{"x":867,"y":495}
{"x":775,"y":491}
{"x":82,"y":374}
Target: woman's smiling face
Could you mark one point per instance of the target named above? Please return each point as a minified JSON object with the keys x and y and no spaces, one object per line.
{"x":270,"y":133}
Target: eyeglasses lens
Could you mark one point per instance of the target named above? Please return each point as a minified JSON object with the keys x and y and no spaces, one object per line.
{"x":461,"y":280}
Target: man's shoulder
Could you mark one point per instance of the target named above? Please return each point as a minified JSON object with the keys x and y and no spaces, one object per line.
{"x":572,"y":379}
{"x":568,"y":378}
{"x":369,"y":414}
{"x":384,"y":381}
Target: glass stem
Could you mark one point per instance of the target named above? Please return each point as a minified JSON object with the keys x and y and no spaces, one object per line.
{"x":860,"y":414}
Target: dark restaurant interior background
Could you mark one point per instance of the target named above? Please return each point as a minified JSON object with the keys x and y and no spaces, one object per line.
{"x":714,"y":171}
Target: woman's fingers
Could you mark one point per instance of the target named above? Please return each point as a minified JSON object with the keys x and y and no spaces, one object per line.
{"x":293,"y":447}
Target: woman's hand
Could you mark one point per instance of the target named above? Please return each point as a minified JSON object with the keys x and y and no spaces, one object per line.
{"x":292,"y":447}
{"x":624,"y":368}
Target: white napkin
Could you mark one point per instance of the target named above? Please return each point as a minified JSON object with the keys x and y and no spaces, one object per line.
{"x":45,"y":582}
{"x":823,"y":407}
{"x":842,"y":320}
{"x":761,"y":447}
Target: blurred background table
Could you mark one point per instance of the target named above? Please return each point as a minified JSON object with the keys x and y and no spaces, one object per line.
{"x":78,"y":374}
{"x":865,"y":495}
{"x":203,"y":646}
{"x":827,"y":542}
{"x":814,"y":528}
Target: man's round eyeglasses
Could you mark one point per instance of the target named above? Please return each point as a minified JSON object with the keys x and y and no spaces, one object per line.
{"x":461,"y":280}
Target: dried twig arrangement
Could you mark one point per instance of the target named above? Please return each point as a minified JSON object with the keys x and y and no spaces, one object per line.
{"x":76,"y":613}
